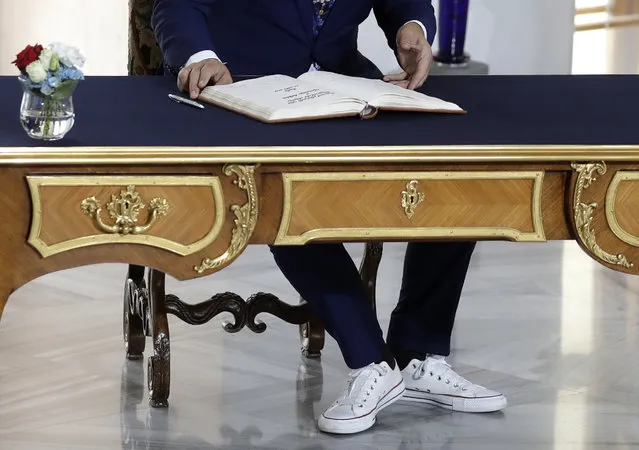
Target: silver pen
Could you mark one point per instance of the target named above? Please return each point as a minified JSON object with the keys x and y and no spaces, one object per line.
{"x":186,"y":101}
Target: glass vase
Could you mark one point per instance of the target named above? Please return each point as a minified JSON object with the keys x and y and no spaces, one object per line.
{"x":453,"y":20}
{"x":46,"y":117}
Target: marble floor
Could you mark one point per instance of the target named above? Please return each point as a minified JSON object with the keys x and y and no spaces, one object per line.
{"x":544,"y":324}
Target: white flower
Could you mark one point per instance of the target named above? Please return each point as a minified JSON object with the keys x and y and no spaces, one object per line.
{"x":45,"y":58}
{"x":36,"y":71}
{"x":69,"y":56}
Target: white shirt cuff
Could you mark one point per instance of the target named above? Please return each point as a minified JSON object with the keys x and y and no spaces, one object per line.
{"x":420,"y":24}
{"x":201,"y":56}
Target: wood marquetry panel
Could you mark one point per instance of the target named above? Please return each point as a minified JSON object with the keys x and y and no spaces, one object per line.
{"x":402,"y":205}
{"x":180,"y":214}
{"x":622,"y":204}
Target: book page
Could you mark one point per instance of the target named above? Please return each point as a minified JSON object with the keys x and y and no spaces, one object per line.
{"x":280,"y":96}
{"x":379,"y":93}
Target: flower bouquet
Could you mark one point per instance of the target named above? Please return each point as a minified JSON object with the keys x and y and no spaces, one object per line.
{"x":48,"y":77}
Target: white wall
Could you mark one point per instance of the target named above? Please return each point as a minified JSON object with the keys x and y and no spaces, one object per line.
{"x":97,"y":27}
{"x":512,"y":36}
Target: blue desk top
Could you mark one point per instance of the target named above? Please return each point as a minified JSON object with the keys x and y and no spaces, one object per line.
{"x":502,"y":110}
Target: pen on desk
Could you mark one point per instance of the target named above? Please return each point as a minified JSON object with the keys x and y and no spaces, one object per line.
{"x":186,"y":101}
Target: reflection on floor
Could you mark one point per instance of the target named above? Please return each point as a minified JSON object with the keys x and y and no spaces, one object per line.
{"x":554,"y":331}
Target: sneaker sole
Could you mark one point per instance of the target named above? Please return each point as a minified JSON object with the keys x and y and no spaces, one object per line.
{"x":461,"y":404}
{"x":351,"y":426}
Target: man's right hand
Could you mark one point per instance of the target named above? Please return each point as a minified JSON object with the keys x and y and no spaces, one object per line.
{"x":195,"y":77}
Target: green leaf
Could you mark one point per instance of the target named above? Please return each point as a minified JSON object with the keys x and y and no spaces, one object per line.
{"x":65,"y":89}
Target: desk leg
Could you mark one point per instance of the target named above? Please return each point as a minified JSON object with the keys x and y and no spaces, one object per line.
{"x":159,"y":366}
{"x":135,"y":320}
{"x":368,"y":269}
{"x":145,"y":315}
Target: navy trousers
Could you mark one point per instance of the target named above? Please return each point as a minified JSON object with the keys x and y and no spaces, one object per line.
{"x":422,"y":322}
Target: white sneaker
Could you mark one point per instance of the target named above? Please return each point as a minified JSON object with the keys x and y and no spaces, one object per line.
{"x":368,"y":391}
{"x":433,"y":381}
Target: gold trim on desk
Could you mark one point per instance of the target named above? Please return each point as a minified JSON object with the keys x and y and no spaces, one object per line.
{"x":246,"y":216}
{"x":583,"y":213}
{"x":611,"y":215}
{"x":46,"y":250}
{"x":411,"y":198}
{"x":153,"y":156}
{"x":124,"y":210}
{"x":537,"y":235}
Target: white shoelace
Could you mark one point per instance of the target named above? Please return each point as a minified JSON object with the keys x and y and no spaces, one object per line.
{"x":360,"y":384}
{"x":441,"y":371}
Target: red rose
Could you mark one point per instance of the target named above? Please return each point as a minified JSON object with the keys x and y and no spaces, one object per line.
{"x":27,"y":56}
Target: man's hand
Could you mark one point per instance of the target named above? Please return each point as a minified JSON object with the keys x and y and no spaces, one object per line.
{"x":195,"y":77}
{"x":414,"y":55}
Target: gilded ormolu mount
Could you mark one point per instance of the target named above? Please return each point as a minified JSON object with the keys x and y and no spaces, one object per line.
{"x":245,"y":217}
{"x":583,"y":213}
{"x":411,"y":197}
{"x":124,"y":210}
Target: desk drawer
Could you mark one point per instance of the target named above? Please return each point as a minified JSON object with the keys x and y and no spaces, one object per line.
{"x":181,"y":214}
{"x":399,"y":205}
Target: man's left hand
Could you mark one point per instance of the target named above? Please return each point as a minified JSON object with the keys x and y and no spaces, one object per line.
{"x":414,"y":55}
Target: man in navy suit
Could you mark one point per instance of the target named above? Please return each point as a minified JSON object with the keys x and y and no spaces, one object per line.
{"x":211,"y":41}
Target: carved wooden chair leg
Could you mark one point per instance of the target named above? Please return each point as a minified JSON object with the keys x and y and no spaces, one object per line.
{"x":159,"y":366}
{"x":136,"y":312}
{"x":368,"y":269}
{"x":312,"y":336}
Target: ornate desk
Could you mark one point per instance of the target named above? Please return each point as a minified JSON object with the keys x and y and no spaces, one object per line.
{"x":171,"y":189}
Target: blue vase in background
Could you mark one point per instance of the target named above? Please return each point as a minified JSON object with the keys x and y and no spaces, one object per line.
{"x":453,"y":19}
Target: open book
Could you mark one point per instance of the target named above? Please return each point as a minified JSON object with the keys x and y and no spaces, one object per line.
{"x":318,"y":95}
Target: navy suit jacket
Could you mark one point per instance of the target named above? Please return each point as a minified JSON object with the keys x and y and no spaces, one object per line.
{"x":263,"y":37}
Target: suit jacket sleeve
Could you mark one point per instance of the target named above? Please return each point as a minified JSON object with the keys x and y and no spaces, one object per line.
{"x":181,"y":28}
{"x":391,"y":15}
